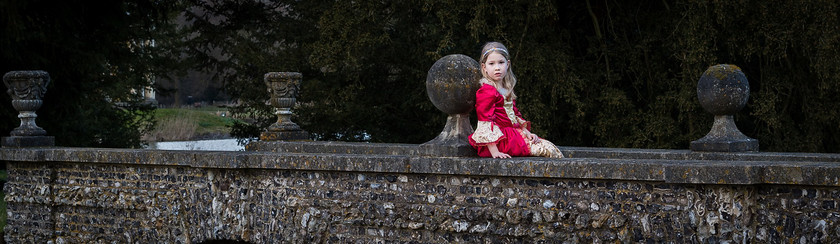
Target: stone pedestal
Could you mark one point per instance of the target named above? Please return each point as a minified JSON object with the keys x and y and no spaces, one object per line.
{"x":28,"y":141}
{"x":451,"y":85}
{"x":284,"y":135}
{"x":723,"y":90}
{"x":725,"y":137}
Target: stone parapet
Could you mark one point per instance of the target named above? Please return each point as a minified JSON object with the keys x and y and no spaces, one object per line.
{"x":426,"y":149}
{"x":670,"y":166}
{"x":349,"y":194}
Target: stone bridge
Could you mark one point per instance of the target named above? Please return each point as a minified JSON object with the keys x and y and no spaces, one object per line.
{"x":721,"y":191}
{"x":300,"y":192}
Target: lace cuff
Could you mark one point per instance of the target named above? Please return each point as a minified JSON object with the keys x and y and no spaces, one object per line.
{"x":487,"y":133}
{"x":524,"y":124}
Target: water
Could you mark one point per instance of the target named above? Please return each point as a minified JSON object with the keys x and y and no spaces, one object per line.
{"x":203,"y":145}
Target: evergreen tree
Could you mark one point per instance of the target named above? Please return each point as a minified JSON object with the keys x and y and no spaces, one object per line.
{"x":592,"y":73}
{"x":95,"y":53}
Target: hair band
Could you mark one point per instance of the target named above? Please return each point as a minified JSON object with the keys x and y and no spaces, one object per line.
{"x":496,"y":49}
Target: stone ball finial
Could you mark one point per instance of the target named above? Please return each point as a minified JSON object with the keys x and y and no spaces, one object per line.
{"x":451,"y":85}
{"x":723,"y":90}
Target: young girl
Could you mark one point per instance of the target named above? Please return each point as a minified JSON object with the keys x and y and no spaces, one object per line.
{"x":501,"y":130}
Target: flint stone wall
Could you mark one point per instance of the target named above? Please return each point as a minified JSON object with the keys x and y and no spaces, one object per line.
{"x":91,"y":195}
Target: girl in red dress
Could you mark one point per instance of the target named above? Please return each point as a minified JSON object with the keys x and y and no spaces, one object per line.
{"x":501,"y":131}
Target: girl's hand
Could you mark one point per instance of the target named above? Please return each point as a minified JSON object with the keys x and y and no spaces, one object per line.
{"x":494,"y":151}
{"x":533,"y":137}
{"x":500,"y":155}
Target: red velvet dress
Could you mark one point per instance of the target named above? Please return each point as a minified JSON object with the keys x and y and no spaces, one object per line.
{"x":500,"y":122}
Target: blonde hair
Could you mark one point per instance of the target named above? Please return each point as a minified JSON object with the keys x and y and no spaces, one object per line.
{"x":509,"y":81}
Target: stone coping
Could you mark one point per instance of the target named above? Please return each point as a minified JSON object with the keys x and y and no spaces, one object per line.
{"x":667,"y":166}
{"x":571,"y":152}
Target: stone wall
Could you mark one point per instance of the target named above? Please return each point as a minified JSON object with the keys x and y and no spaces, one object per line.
{"x":88,"y":195}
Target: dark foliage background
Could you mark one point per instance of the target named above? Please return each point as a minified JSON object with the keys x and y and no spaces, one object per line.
{"x":95,"y":53}
{"x":592,"y":73}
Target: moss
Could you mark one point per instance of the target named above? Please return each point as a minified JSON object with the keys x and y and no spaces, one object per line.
{"x":722,"y":71}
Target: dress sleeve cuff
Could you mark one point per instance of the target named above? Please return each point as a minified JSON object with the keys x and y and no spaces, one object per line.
{"x":524,"y":123}
{"x":487,"y":133}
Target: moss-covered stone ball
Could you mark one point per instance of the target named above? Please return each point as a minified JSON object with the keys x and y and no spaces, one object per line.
{"x":723,"y":89}
{"x":452,"y":82}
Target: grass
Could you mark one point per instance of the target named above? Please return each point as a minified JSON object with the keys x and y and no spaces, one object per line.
{"x":179,"y":124}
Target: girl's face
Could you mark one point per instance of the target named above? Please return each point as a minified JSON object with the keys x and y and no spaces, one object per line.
{"x":495,"y":67}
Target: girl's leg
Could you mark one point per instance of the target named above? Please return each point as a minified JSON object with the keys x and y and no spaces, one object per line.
{"x":545,"y":148}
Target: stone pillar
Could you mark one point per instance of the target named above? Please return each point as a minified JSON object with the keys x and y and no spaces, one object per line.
{"x":27,"y":89}
{"x":283,"y":87}
{"x":451,"y":85}
{"x":723,"y":90}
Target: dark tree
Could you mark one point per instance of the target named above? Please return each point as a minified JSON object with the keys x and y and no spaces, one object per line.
{"x":592,"y":73}
{"x":96,"y":53}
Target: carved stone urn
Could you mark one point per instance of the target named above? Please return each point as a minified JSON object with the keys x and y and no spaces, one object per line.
{"x":283,"y":88}
{"x":27,"y":89}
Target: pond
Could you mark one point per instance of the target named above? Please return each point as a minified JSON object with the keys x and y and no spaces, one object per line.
{"x":202,"y":145}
